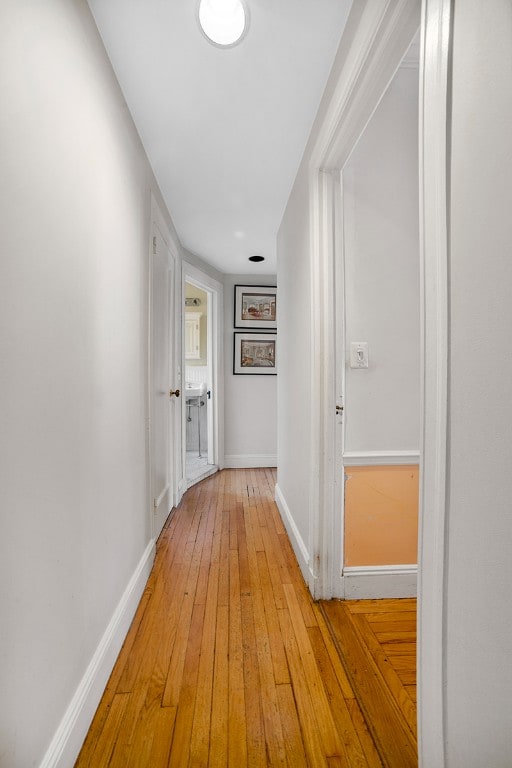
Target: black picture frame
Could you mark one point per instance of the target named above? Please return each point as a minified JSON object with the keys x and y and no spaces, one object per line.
{"x":254,"y":354}
{"x":255,"y":307}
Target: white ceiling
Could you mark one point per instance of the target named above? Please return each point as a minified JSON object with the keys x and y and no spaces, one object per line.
{"x":224,"y":129}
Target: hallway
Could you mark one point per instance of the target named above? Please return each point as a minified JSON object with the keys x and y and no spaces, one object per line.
{"x":229,"y":662}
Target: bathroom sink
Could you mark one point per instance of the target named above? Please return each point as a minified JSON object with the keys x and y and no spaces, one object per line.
{"x":193,"y":389}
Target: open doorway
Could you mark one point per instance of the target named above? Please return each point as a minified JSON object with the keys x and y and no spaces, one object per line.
{"x":378,"y":346}
{"x":201,"y":385}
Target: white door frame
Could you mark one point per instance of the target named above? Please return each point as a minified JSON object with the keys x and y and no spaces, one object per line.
{"x":374,"y":53}
{"x":435,"y":95}
{"x":377,"y":46}
{"x":215,"y":289}
{"x":159,"y":223}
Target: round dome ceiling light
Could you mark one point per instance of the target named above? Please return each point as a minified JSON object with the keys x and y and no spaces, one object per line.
{"x":223,"y":22}
{"x":256,"y":258}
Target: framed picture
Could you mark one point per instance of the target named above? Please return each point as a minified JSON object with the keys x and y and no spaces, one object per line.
{"x":254,"y":353}
{"x":255,"y":306}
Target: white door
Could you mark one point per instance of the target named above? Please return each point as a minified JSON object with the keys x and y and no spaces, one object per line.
{"x":163,"y":405}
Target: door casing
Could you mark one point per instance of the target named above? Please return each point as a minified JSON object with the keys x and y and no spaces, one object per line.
{"x":169,"y":495}
{"x":375,"y":52}
{"x":378,"y":44}
{"x":215,"y":290}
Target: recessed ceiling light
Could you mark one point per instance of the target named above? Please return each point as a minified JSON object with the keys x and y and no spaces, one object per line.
{"x":224,"y":22}
{"x":256,"y":258}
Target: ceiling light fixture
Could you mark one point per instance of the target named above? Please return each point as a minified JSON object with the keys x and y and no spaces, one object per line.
{"x":223,"y":22}
{"x":256,"y":258}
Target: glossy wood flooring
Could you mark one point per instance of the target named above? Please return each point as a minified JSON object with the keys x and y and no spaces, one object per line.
{"x":377,"y":641}
{"x":229,"y":662}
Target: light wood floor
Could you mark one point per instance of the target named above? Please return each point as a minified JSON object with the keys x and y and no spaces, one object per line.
{"x":230,"y":663}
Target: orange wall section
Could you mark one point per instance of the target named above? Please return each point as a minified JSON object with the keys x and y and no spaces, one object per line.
{"x":381,"y":515}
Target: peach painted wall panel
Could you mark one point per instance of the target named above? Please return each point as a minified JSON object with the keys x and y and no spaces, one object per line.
{"x":381,"y":515}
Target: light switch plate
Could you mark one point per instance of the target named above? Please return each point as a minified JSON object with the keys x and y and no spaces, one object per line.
{"x":359,"y":354}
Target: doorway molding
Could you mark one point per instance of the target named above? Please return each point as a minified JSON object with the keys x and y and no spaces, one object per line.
{"x":434,"y":145}
{"x":381,"y":35}
{"x":159,"y":224}
{"x":377,"y":43}
{"x":196,"y":276}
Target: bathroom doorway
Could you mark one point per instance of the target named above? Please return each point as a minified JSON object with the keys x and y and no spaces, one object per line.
{"x":201,"y":388}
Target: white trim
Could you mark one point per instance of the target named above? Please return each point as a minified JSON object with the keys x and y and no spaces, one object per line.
{"x":175,"y":435}
{"x":182,"y":487}
{"x":197,"y":277}
{"x":434,"y":143}
{"x":299,"y":548}
{"x":157,"y":502}
{"x":375,"y":52}
{"x":250,"y":460}
{"x":381,"y":36}
{"x":380,"y":458}
{"x":374,"y":582}
{"x":70,"y":734}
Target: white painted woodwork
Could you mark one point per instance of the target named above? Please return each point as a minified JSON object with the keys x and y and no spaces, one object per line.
{"x":193,"y":335}
{"x":376,"y":39}
{"x":247,"y":460}
{"x":163,"y":423}
{"x":434,"y":160}
{"x":203,"y":276}
{"x":379,"y":581}
{"x":380,"y":458}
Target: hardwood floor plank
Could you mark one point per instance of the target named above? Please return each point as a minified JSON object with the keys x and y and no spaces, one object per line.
{"x":303,"y":702}
{"x":394,"y":740}
{"x":292,"y":735}
{"x":218,"y":757}
{"x":368,"y":744}
{"x":252,"y":686}
{"x":280,"y":665}
{"x":341,"y":714}
{"x":237,"y":741}
{"x":200,"y":737}
{"x":341,"y":675}
{"x":329,"y":735}
{"x":406,"y":705}
{"x":382,"y":606}
{"x":392,"y":616}
{"x":180,"y":748}
{"x":163,"y":730}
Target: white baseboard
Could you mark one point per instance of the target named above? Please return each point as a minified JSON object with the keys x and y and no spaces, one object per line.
{"x":250,"y":461}
{"x":300,"y":549}
{"x":180,"y":490}
{"x":371,"y":582}
{"x":70,"y":734}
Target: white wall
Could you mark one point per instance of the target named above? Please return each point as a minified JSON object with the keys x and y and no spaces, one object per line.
{"x":74,"y":241}
{"x":294,"y":348}
{"x":250,"y":402}
{"x":380,"y":225}
{"x":479,"y":530}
